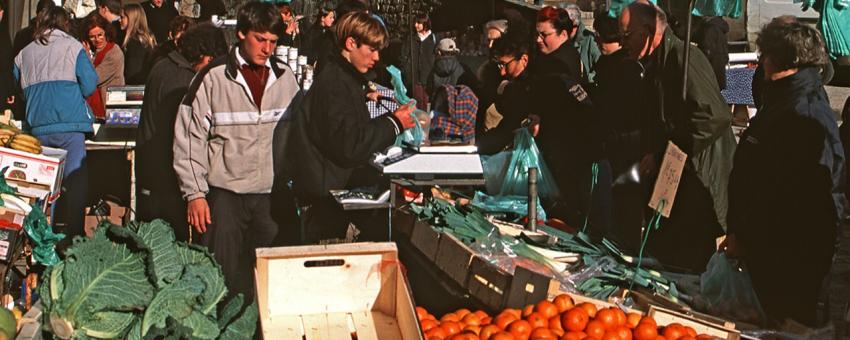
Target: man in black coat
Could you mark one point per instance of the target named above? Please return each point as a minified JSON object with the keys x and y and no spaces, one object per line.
{"x":157,"y":189}
{"x":159,"y":14}
{"x":335,"y":136}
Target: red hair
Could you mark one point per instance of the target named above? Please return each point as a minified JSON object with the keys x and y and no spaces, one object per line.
{"x":558,"y":17}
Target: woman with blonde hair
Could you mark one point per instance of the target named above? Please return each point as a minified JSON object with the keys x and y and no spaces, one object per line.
{"x":138,"y":44}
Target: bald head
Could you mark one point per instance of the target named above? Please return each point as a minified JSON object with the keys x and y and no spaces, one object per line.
{"x":642,"y":26}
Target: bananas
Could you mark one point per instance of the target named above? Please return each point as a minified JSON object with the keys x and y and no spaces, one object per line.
{"x":12,"y":137}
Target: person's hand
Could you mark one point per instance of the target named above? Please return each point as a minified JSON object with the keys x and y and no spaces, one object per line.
{"x":730,"y":247}
{"x":373,"y":96}
{"x":198,"y":213}
{"x":648,"y":167}
{"x":87,"y":47}
{"x":404,"y":114}
{"x":534,"y":127}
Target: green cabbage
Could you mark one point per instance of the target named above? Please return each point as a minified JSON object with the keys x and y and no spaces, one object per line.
{"x":137,"y":282}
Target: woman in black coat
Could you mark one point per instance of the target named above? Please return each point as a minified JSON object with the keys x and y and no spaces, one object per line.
{"x":786,"y":189}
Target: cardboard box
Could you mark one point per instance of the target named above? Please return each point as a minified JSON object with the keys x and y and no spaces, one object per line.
{"x":334,"y":292}
{"x":37,"y":176}
{"x":665,"y":317}
{"x":116,"y":216}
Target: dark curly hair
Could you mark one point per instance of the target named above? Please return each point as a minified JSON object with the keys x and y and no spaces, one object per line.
{"x":95,"y":20}
{"x":514,"y":45}
{"x":792,"y":45}
{"x":202,"y":40}
{"x":259,"y":17}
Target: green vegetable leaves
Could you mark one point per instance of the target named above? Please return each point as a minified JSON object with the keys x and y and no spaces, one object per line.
{"x":136,"y":282}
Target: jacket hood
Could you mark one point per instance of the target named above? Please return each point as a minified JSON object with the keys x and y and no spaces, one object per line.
{"x":806,"y":81}
{"x":180,"y":60}
{"x":446,"y":66}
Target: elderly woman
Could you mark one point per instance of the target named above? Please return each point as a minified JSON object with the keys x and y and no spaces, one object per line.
{"x":99,"y":39}
{"x":786,"y":187}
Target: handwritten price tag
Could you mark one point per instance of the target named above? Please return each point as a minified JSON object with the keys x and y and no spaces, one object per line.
{"x":668,"y":179}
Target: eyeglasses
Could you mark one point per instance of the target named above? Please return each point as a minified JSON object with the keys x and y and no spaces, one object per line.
{"x":502,"y":65}
{"x":544,"y":35}
{"x":96,"y":36}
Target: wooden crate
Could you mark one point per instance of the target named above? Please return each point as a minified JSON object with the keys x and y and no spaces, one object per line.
{"x":333,"y":292}
{"x":665,"y":317}
{"x":403,"y":222}
{"x":453,"y":258}
{"x":487,"y":283}
{"x":425,"y":238}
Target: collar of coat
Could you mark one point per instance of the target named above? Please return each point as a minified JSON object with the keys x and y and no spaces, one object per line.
{"x":348,"y":68}
{"x":232,"y":68}
{"x":180,"y":60}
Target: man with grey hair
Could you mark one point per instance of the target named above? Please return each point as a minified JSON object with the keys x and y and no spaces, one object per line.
{"x":699,"y":124}
{"x":583,"y":41}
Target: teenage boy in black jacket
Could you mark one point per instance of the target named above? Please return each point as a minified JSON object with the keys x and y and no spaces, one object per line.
{"x":336,"y":136}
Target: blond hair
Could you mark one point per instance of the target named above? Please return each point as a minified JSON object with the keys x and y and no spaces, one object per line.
{"x":137,"y":26}
{"x":363,"y":28}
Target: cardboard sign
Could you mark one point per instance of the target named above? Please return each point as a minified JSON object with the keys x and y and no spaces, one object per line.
{"x":668,"y":179}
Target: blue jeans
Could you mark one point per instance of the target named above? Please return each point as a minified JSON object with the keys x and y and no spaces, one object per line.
{"x":69,"y":211}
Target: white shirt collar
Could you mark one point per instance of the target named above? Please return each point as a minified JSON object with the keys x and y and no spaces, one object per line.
{"x":243,"y":62}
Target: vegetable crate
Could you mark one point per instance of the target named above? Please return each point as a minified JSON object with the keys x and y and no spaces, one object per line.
{"x":341,"y":291}
{"x":37,"y":176}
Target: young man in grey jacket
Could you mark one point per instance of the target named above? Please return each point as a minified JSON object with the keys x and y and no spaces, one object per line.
{"x":223,"y":145}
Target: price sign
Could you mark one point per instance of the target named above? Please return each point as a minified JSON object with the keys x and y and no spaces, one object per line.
{"x":668,"y":179}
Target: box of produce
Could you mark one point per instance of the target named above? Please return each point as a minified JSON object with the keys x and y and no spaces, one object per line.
{"x":35,"y":175}
{"x":341,"y":291}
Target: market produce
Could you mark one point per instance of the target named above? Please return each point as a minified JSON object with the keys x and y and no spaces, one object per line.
{"x":560,"y":318}
{"x":12,"y":137}
{"x":8,"y":324}
{"x":136,"y":282}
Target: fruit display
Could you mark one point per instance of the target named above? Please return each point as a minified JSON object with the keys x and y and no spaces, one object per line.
{"x":559,"y":318}
{"x":14,"y":138}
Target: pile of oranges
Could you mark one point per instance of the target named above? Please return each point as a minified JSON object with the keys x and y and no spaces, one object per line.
{"x":556,"y":319}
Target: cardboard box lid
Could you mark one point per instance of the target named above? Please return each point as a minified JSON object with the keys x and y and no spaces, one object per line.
{"x":357,"y":277}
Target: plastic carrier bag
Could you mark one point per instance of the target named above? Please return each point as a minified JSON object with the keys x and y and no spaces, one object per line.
{"x":414,"y":135}
{"x":524,"y":155}
{"x":729,"y":292}
{"x":506,"y":204}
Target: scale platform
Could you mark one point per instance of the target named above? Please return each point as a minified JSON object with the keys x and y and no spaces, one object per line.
{"x":428,"y":166}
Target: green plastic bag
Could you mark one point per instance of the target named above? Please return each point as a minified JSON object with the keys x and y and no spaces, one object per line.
{"x":415,"y":135}
{"x":718,"y":8}
{"x":506,"y":204}
{"x":526,"y":155}
{"x":38,"y":230}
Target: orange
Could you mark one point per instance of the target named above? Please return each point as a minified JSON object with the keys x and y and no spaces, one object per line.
{"x":464,"y":336}
{"x":471,"y":320}
{"x":650,"y":320}
{"x":555,"y":323}
{"x":502,"y":321}
{"x":610,"y":336}
{"x":430,"y":317}
{"x":595,"y":329}
{"x":623,"y":332}
{"x":450,"y":317}
{"x":481,"y":314}
{"x":487,"y":331}
{"x":547,"y":309}
{"x":608,"y":318}
{"x":515,"y":312}
{"x":421,"y":313}
{"x":645,"y":331}
{"x":674,"y":331}
{"x":542,"y":333}
{"x":687,"y":337}
{"x":621,"y":316}
{"x":520,"y":329}
{"x":573,"y":336}
{"x":462,"y":312}
{"x":558,"y":332}
{"x":564,"y":302}
{"x":589,"y":308}
{"x":575,"y":320}
{"x":527,"y":310}
{"x":632,"y":320}
{"x":690,"y":331}
{"x":436,"y":332}
{"x":472,"y":329}
{"x":486,"y":321}
{"x":428,"y":324}
{"x":503,"y":336}
{"x":537,"y":320}
{"x":705,"y":337}
{"x":451,"y":327}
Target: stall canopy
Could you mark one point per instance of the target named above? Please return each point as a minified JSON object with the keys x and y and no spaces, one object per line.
{"x":834,"y":23}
